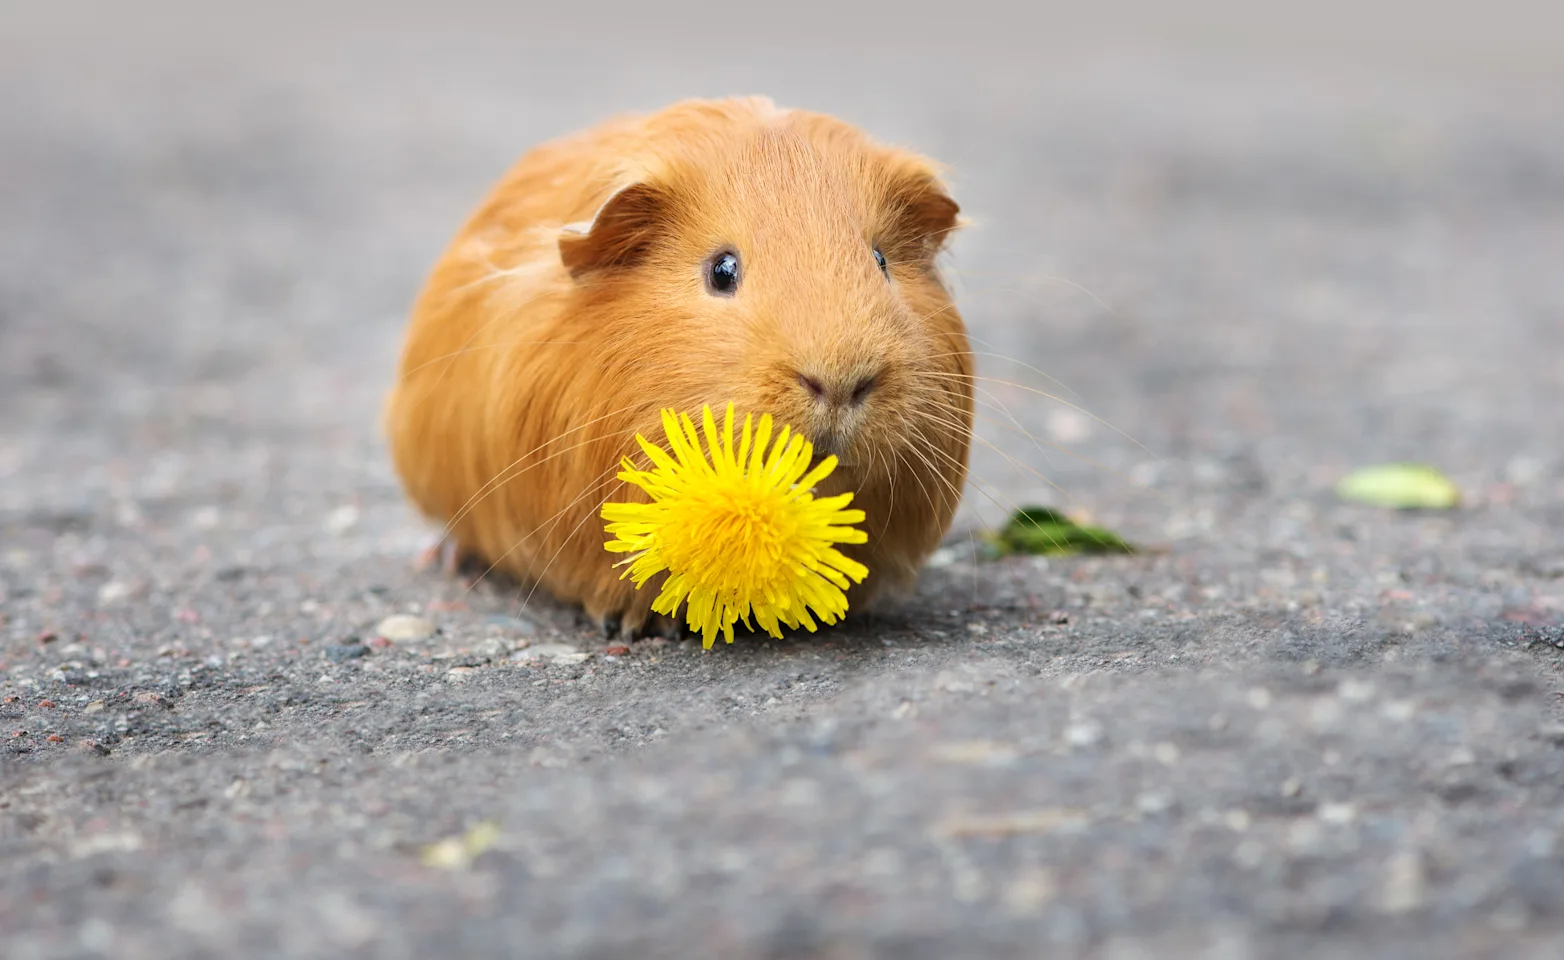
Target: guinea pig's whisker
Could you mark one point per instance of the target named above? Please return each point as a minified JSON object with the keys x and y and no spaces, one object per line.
{"x":1042,"y":393}
{"x":1046,"y":277}
{"x":538,"y":580}
{"x":1008,"y":507}
{"x":981,"y":485}
{"x":995,"y":403}
{"x":936,"y":312}
{"x":890,"y":470}
{"x":976,"y":482}
{"x":917,"y":475}
{"x":602,"y":479}
{"x":553,"y":523}
{"x":507,"y":475}
{"x":1071,"y":453}
{"x":500,"y":479}
{"x":999,"y":356}
{"x":1015,"y":426}
{"x":992,"y":353}
{"x":1019,"y":465}
{"x":504,"y":475}
{"x":956,"y":428}
{"x":637,"y":458}
{"x":917,"y":430}
{"x":928,"y":466}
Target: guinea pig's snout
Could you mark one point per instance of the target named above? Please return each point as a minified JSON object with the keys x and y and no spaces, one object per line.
{"x":841,"y":392}
{"x":838,"y":402}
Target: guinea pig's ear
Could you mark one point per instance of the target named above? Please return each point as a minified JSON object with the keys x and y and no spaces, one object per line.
{"x":617,"y":235}
{"x":924,"y":212}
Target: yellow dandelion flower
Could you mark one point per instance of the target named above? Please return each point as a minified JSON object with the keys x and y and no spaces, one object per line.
{"x":738,"y":528}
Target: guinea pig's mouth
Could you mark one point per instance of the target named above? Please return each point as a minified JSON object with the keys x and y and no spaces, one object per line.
{"x":827,"y":445}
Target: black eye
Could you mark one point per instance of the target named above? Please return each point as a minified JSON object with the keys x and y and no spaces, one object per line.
{"x":880,"y":259}
{"x":722,"y":274}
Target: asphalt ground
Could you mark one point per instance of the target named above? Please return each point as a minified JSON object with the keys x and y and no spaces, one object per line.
{"x":1268,"y":247}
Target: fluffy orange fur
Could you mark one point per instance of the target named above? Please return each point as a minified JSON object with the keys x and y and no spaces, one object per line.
{"x":573,"y":306}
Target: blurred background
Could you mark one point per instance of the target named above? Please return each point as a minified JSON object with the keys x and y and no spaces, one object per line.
{"x":1264,"y":240}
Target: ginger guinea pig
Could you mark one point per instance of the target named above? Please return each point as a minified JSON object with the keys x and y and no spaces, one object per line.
{"x":712,"y":252}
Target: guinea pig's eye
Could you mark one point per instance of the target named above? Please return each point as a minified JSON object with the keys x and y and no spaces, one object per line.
{"x":722,"y":274}
{"x":879,"y":258}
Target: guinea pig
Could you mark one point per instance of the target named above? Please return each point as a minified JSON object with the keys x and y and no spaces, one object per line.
{"x":715,"y":251}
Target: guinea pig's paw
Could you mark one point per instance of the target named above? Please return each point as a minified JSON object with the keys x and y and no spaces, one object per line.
{"x":611,"y":624}
{"x":639,"y":625}
{"x":450,"y":558}
{"x":429,"y":556}
{"x":664,"y":626}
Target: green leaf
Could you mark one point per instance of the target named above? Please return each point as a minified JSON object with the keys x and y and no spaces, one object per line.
{"x":1040,"y":516}
{"x":1401,"y":486}
{"x":1043,"y":531}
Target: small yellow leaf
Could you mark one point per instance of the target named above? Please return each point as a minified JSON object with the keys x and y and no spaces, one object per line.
{"x":1402,"y":486}
{"x":458,"y":853}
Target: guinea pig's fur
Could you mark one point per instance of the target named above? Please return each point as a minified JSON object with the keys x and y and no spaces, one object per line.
{"x":575,"y":305}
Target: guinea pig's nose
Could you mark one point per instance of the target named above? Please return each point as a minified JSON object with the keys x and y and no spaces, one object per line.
{"x":839,"y":391}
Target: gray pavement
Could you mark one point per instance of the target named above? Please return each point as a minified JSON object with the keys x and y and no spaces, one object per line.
{"x":1268,"y":248}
